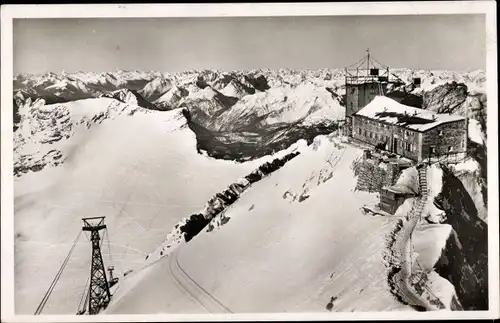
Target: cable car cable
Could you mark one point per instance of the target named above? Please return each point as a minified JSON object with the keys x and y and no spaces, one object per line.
{"x":56,"y":278}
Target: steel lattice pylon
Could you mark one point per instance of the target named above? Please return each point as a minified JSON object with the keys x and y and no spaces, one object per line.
{"x":99,"y":295}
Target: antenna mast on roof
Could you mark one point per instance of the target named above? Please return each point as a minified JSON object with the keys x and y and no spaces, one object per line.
{"x":368,"y":62}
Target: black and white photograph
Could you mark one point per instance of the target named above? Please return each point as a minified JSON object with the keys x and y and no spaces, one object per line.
{"x":322,"y":160}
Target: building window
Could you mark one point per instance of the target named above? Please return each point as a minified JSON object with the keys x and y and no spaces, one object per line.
{"x":433,"y":150}
{"x":359,"y":130}
{"x":364,"y":133}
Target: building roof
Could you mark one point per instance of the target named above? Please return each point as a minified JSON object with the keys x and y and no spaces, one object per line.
{"x":387,"y":110}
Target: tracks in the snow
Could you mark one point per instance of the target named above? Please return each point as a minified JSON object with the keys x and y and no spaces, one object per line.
{"x":191,"y":287}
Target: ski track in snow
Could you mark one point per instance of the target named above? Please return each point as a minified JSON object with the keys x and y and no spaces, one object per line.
{"x":190,"y":286}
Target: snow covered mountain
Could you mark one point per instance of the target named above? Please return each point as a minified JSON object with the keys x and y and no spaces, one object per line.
{"x":138,"y":148}
{"x":294,"y":96}
{"x":100,"y":156}
{"x":171,"y":98}
{"x":156,"y":88}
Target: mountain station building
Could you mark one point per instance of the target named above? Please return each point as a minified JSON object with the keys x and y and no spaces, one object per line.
{"x":417,"y":134}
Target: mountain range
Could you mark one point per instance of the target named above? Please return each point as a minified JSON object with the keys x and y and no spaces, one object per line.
{"x":156,"y":153}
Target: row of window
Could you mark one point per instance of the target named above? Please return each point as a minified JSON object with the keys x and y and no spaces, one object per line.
{"x":407,"y":133}
{"x":372,"y":135}
{"x":403,"y":144}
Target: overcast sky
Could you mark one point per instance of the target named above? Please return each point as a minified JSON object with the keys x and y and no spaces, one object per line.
{"x":454,"y":42}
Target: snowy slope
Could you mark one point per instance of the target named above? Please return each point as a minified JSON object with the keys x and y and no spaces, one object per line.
{"x":306,"y":103}
{"x":142,"y":172}
{"x":171,"y":99}
{"x":293,"y":241}
{"x":156,"y":88}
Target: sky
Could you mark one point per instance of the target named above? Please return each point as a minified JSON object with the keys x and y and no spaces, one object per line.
{"x":445,"y":42}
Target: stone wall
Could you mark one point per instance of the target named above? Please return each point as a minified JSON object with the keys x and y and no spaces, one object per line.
{"x":447,"y":136}
{"x":373,"y":175}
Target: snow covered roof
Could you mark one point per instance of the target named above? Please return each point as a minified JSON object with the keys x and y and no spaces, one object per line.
{"x":400,"y":189}
{"x":387,"y":110}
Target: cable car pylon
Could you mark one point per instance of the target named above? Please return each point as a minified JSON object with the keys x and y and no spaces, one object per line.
{"x":99,"y":295}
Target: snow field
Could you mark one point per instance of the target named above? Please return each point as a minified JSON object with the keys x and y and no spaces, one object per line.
{"x":142,"y":172}
{"x":281,"y":255}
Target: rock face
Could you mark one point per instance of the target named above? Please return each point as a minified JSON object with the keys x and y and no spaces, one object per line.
{"x":446,"y":98}
{"x":171,"y":99}
{"x":156,"y":88}
{"x":43,"y":129}
{"x":464,"y":261}
{"x":478,"y":110}
{"x":130,"y":97}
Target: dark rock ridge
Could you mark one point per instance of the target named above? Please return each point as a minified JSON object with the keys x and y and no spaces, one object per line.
{"x":131,"y":97}
{"x":464,"y":261}
{"x":221,"y":201}
{"x":446,"y":98}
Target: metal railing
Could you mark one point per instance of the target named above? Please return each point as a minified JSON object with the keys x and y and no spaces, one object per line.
{"x":447,"y":158}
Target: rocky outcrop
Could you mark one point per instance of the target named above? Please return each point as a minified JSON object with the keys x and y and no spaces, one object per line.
{"x":16,"y":118}
{"x":259,"y":82}
{"x":27,"y":163}
{"x":172,"y":98}
{"x":130,"y":97}
{"x":446,"y":98}
{"x":43,"y":128}
{"x":221,"y":201}
{"x":156,"y":88}
{"x":464,"y":261}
